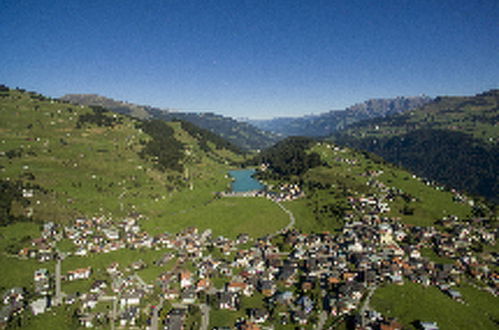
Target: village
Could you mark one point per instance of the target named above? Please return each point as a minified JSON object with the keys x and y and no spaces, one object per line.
{"x":301,"y":279}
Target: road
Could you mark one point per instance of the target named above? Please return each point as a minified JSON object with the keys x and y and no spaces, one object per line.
{"x":322,"y":320}
{"x":141,"y":282}
{"x":205,"y":316}
{"x":365,"y":305}
{"x":114,"y":315}
{"x":291,"y":223}
{"x":154,"y":318}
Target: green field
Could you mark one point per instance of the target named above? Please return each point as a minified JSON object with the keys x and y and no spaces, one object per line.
{"x":412,"y":302}
{"x":306,"y":220}
{"x":20,"y":272}
{"x":431,"y":204}
{"x":58,"y":318}
{"x":228,"y":216}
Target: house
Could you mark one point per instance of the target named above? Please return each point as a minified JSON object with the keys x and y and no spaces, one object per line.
{"x":87,"y":320}
{"x":239,"y":287}
{"x":456,"y":295}
{"x":12,"y":296}
{"x":98,"y":286}
{"x":247,"y":325}
{"x":428,"y":325}
{"x":42,"y":284}
{"x":41,"y":274}
{"x":267,"y":287}
{"x":138,"y":265}
{"x":228,"y":300}
{"x":185,"y":279}
{"x":39,"y":306}
{"x":390,"y":325}
{"x":70,"y":299}
{"x":307,"y":285}
{"x":300,"y":317}
{"x":111,"y":234}
{"x":129,"y":316}
{"x":81,"y":273}
{"x":385,"y":234}
{"x":113,"y":268}
{"x":259,"y":315}
{"x":171,"y":294}
{"x":306,"y":304}
{"x":396,"y":278}
{"x":188,"y":296}
{"x":202,"y":285}
{"x":175,"y":319}
{"x":81,"y":251}
{"x":415,"y":254}
{"x":89,"y":301}
{"x":130,"y":298}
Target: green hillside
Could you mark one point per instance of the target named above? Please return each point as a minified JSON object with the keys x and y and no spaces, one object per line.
{"x":241,"y":134}
{"x":86,"y":161}
{"x":342,"y":174}
{"x":78,"y":161}
{"x":453,"y":140}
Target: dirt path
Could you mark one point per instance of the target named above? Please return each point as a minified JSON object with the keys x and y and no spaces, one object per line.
{"x":291,"y":223}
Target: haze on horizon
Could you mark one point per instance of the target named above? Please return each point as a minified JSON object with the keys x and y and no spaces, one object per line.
{"x":256,"y":59}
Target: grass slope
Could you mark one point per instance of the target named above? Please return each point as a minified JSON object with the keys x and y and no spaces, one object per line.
{"x":241,"y":134}
{"x":97,"y":170}
{"x":412,"y":302}
{"x":344,"y":174}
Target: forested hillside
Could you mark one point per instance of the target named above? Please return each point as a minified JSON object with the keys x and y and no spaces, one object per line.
{"x":288,"y":158}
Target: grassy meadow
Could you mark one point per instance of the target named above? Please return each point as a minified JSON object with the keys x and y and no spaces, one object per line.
{"x":227,"y":216}
{"x":411,"y":302}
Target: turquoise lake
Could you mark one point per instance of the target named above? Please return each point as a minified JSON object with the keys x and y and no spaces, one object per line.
{"x":243,"y":181}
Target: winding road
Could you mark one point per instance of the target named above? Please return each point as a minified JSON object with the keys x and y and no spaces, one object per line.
{"x":291,"y":223}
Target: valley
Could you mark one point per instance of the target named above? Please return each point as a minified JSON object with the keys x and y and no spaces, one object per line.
{"x":135,"y":214}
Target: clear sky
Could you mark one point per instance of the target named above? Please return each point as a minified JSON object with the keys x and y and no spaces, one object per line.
{"x":254,"y":59}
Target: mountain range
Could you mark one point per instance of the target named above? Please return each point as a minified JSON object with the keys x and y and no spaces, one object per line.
{"x":330,"y":122}
{"x":452,"y":140}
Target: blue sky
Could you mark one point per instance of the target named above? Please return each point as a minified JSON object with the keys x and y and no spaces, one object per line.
{"x":254,"y":59}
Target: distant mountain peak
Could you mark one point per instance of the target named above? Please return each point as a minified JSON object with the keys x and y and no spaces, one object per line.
{"x":329,"y":122}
